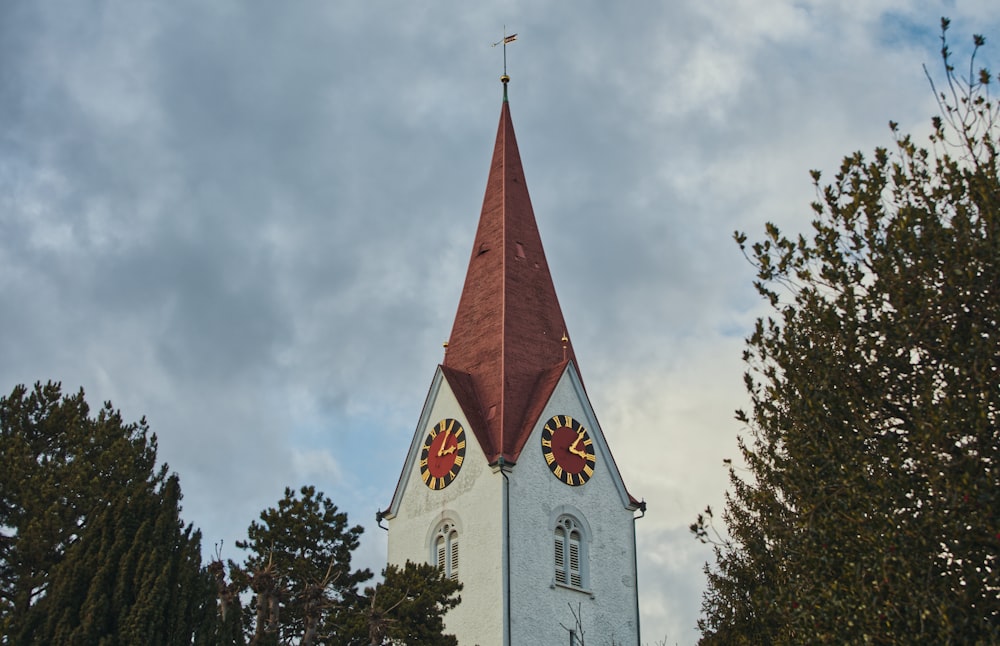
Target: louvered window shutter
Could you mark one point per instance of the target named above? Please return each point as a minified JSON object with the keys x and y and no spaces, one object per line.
{"x":441,"y":553}
{"x":454,"y":557}
{"x":560,"y":555}
{"x":575,"y":579}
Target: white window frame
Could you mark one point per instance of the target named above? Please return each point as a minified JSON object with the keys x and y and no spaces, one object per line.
{"x":445,"y":550}
{"x":570,"y":554}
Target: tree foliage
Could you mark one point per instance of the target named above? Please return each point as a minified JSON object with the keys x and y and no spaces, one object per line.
{"x":92,"y":550}
{"x":869,"y":511}
{"x":303,"y":591}
{"x":407,"y":607}
{"x":298,"y":569}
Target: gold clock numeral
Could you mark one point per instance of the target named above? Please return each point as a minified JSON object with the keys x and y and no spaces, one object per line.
{"x":445,"y":457}
{"x":565,"y":439}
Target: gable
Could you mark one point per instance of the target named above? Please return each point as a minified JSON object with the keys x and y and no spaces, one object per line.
{"x":568,"y":397}
{"x":442,"y":402}
{"x":558,"y":391}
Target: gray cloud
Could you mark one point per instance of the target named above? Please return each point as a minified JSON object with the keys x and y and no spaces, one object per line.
{"x":250,"y":222}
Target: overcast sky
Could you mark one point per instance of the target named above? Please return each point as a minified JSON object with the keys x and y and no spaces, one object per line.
{"x":250,"y":221}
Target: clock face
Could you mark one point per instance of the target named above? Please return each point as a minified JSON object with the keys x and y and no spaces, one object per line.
{"x":568,"y":450}
{"x":442,"y":454}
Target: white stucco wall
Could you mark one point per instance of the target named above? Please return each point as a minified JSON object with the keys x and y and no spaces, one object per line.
{"x":608,"y":608}
{"x":474,"y":501}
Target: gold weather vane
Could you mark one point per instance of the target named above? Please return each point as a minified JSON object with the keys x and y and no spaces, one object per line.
{"x":506,"y":39}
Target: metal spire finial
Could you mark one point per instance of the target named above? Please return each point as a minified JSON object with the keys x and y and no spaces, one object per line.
{"x":506,"y":39}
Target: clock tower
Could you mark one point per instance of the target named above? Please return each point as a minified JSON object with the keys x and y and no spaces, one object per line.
{"x":509,"y":484}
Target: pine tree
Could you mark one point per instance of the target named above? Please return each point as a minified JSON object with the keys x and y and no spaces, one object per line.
{"x":298,"y":569}
{"x":303,"y":591}
{"x":92,"y":549}
{"x":406,"y":607}
{"x":871,"y":508}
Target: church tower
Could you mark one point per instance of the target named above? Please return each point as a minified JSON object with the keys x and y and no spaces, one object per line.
{"x":509,"y":484}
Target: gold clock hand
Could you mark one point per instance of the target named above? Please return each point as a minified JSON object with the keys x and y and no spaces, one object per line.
{"x":441,"y":451}
{"x":576,"y":451}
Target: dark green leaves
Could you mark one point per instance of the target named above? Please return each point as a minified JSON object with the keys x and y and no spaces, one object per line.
{"x":299,"y":569}
{"x":870,"y":511}
{"x":408,"y":607}
{"x":92,"y":549}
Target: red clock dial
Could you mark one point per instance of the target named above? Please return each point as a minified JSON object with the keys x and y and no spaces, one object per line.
{"x":568,"y":450}
{"x":442,"y":454}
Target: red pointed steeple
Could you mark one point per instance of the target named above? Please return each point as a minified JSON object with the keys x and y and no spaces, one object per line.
{"x":508,"y":345}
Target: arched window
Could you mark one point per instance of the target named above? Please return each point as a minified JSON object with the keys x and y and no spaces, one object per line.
{"x":446,"y":549}
{"x":570,"y":557}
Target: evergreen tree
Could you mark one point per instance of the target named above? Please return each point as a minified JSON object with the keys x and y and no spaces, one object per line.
{"x":304,"y":592}
{"x":229,"y":624}
{"x":871,"y":508}
{"x":299,"y":570}
{"x":407,"y":607}
{"x":92,"y":549}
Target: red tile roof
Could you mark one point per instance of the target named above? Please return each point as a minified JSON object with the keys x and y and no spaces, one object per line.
{"x":506,"y":351}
